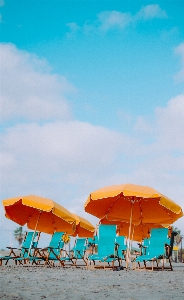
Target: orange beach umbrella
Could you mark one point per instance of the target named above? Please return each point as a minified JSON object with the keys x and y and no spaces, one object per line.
{"x":134,"y":204}
{"x":39,"y":213}
{"x":83,"y":227}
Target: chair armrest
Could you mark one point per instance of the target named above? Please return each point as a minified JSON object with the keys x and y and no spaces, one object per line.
{"x":12,"y":248}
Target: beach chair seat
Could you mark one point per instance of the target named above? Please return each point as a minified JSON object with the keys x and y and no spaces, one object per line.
{"x":28,"y":243}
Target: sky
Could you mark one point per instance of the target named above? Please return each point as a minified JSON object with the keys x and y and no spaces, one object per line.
{"x":92,"y":94}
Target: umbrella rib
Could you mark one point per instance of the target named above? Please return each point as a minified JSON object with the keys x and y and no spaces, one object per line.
{"x":140,"y":209}
{"x":53,"y":221}
{"x":106,"y":215}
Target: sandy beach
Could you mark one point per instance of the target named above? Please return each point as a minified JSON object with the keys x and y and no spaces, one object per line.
{"x":27,"y":282}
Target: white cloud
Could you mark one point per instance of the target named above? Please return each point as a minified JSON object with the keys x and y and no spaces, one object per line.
{"x":72,"y":143}
{"x":58,"y":153}
{"x":142,"y":125}
{"x":2,"y":3}
{"x":119,"y":20}
{"x":107,"y":20}
{"x":29,"y":90}
{"x":170,"y":124}
{"x":180,"y":51}
{"x":113,"y":19}
{"x":151,"y":11}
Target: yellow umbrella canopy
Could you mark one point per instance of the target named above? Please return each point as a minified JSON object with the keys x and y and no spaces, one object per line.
{"x":39,"y":213}
{"x":83,"y":227}
{"x":133,"y":204}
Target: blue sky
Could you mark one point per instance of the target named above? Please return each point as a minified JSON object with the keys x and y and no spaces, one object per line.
{"x":92,"y":94}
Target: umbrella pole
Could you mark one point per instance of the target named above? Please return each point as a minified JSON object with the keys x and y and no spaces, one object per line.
{"x":128,"y":244}
{"x":34,"y":233}
{"x":132,"y":237}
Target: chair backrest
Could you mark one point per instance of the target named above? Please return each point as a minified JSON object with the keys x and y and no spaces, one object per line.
{"x":144,"y":249}
{"x":106,"y":241}
{"x":156,"y":244}
{"x":29,"y":238}
{"x":146,"y":242}
{"x":159,"y":233}
{"x":79,"y":247}
{"x":56,"y":245}
{"x":92,"y":241}
{"x":29,"y":243}
{"x":56,"y":240}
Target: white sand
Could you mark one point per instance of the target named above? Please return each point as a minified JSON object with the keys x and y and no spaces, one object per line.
{"x":23,"y":282}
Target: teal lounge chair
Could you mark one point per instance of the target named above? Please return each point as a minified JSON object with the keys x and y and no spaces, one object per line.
{"x":54,"y":254}
{"x":106,"y":246}
{"x":79,"y":250}
{"x":48,"y":254}
{"x":156,"y":248}
{"x":28,"y":243}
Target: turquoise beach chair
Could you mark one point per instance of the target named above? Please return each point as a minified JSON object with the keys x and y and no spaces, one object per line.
{"x":53,"y":251}
{"x":156,"y":248}
{"x":48,"y":254}
{"x":106,"y":246}
{"x":28,"y":249}
{"x":76,"y":253}
{"x":79,"y":250}
{"x":29,"y":244}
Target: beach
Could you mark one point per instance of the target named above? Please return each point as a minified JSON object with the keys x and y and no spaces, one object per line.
{"x":43,"y":282}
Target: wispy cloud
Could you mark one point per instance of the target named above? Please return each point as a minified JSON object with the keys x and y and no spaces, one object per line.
{"x":170,"y":124}
{"x":113,"y":19}
{"x":108,"y":20}
{"x":180,"y":51}
{"x":29,"y":90}
{"x":2,"y":3}
{"x":152,"y":11}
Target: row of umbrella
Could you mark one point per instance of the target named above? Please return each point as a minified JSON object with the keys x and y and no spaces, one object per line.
{"x":47,"y":216}
{"x":133,"y":208}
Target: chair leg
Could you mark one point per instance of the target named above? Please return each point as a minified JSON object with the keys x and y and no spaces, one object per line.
{"x":170,"y":264}
{"x":144,"y":264}
{"x":113,"y":264}
{"x":6,"y":262}
{"x":163,"y":263}
{"x":157,"y":264}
